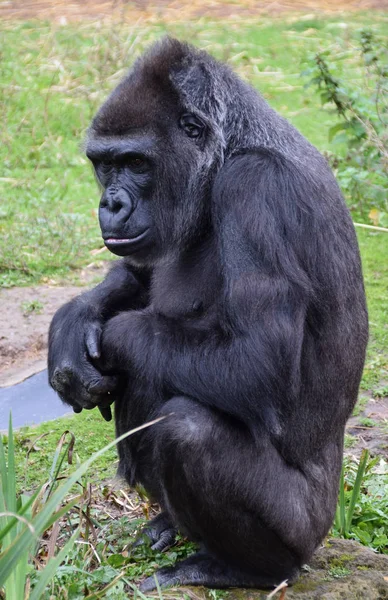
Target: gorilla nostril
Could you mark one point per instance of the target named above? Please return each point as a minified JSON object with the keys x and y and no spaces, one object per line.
{"x":116,"y":205}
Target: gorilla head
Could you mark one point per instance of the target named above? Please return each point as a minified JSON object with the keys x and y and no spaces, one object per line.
{"x":155,"y":146}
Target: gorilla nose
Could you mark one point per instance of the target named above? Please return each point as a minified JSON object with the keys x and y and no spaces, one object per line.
{"x":117,"y":202}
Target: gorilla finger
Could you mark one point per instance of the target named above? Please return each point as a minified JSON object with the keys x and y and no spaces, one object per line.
{"x":104,"y":385}
{"x":77,"y":409}
{"x":106,"y":412}
{"x":93,"y":340}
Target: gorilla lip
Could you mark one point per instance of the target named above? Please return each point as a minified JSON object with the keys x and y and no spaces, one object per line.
{"x":118,"y":241}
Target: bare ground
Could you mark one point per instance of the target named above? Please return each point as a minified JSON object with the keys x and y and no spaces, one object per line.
{"x":375,"y":436}
{"x":25,"y":316}
{"x":172,"y":10}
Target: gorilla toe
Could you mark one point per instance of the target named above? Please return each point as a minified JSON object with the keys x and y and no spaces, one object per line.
{"x":160,"y":531}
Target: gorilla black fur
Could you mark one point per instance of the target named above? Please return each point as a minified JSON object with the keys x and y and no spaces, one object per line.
{"x":237,"y":311}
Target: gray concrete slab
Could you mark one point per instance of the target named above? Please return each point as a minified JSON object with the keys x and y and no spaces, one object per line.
{"x":31,"y":402}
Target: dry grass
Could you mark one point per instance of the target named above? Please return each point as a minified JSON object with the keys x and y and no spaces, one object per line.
{"x":173,"y":11}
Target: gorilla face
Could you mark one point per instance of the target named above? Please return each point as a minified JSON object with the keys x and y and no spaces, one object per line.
{"x":153,"y":168}
{"x":126,"y":171}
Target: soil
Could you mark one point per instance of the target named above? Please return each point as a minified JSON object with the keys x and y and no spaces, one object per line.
{"x":23,"y":334}
{"x":25,"y":317}
{"x":375,"y":436}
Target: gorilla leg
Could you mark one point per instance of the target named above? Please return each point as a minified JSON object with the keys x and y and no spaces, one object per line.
{"x":137,"y":406}
{"x":253,"y":514}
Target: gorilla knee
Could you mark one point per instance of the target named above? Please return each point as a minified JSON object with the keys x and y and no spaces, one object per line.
{"x":186,"y":421}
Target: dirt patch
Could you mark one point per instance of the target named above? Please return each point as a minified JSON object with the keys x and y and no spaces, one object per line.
{"x":23,"y":328}
{"x":369,"y":427}
{"x":81,"y":10}
{"x":25,"y":318}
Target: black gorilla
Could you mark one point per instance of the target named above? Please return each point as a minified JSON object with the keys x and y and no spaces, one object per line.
{"x":238,"y":310}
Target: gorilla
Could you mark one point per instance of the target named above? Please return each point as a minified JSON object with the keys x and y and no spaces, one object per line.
{"x":237,"y":312}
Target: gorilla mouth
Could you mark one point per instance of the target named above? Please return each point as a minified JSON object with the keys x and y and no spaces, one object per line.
{"x":123,"y":246}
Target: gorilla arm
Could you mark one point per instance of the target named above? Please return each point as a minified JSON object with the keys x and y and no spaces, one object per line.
{"x":74,"y":338}
{"x":246,"y":373}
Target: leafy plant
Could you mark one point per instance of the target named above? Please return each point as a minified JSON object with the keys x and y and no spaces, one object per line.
{"x":362,"y":510}
{"x":362,"y":127}
{"x":381,"y":392}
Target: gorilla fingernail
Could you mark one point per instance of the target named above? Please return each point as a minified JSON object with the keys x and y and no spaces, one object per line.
{"x":106,"y":412}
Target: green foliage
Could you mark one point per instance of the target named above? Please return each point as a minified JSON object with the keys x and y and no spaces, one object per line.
{"x":362,"y":511}
{"x":381,"y":392}
{"x":367,"y":422}
{"x":35,"y":446}
{"x":24,"y":521}
{"x":338,"y":572}
{"x":362,"y":127}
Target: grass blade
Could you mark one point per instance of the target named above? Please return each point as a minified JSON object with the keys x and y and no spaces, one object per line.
{"x":356,"y":488}
{"x":11,"y":555}
{"x":340,"y":519}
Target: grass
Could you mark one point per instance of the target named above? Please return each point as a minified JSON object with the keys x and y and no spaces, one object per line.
{"x":374,"y":252}
{"x":362,"y":511}
{"x":54,"y":77}
{"x":38,"y":524}
{"x":35,"y":446}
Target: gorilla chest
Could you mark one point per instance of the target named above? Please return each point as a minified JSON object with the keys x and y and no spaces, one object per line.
{"x":186,"y":291}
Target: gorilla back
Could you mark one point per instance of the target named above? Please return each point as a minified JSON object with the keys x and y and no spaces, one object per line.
{"x":237,"y":311}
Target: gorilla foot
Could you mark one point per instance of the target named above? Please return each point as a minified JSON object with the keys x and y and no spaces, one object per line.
{"x":203,"y":569}
{"x":160,"y":531}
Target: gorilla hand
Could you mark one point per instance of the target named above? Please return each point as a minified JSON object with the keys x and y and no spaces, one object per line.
{"x":74,"y":352}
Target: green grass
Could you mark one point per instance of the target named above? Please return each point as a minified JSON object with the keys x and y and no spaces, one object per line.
{"x":35,"y":447}
{"x":374,"y":252}
{"x":53,"y":78}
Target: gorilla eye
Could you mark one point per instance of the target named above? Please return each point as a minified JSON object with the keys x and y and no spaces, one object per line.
{"x":192,"y":126}
{"x":136,"y":161}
